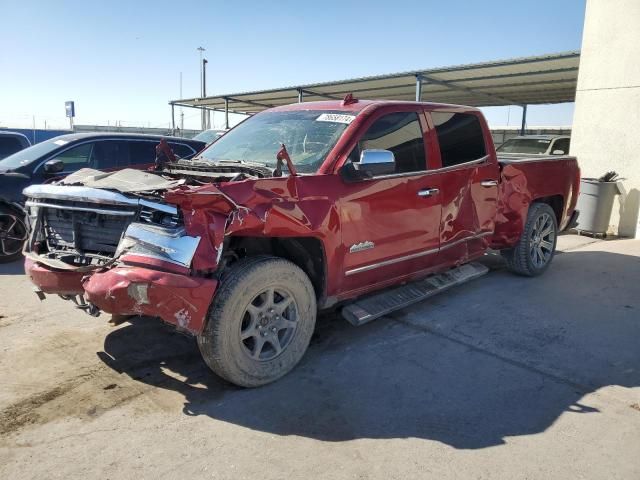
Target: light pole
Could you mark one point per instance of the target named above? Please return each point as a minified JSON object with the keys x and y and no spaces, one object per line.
{"x":207,"y":114}
{"x":203,"y":118}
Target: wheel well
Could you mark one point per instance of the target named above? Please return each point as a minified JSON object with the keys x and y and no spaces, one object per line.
{"x":306,"y":252}
{"x":556,"y":202}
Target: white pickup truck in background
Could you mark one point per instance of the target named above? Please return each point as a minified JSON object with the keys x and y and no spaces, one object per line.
{"x":535,"y":145}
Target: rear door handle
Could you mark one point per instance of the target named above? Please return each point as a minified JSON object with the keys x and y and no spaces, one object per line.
{"x":428,"y":192}
{"x":489,"y":183}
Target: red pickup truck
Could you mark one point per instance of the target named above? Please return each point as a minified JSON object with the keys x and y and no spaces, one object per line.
{"x":366,"y":206}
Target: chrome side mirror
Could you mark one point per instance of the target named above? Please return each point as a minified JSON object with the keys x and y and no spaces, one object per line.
{"x":376,"y":162}
{"x":372,"y":163}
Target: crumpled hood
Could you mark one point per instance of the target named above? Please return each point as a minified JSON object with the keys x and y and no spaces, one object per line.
{"x":128,"y":180}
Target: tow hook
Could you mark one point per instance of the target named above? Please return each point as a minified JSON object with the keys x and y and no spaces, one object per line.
{"x":39,"y":293}
{"x":82,"y":304}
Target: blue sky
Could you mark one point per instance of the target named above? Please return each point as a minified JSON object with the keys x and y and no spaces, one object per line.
{"x":121,"y":60}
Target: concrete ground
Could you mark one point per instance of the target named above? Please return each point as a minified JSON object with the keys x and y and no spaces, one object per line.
{"x":505,"y":377}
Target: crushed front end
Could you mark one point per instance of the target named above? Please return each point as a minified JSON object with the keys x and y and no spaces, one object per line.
{"x":121,"y":253}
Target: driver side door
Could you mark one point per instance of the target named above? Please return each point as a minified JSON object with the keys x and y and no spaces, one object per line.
{"x":390,"y":223}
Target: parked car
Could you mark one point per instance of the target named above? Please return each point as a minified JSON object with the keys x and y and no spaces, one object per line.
{"x":368,"y":206}
{"x":208,"y":136}
{"x":63,"y":155}
{"x":12,"y":142}
{"x":536,"y":145}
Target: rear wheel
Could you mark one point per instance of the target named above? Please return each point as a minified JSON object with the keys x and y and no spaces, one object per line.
{"x":13,"y":233}
{"x":260,"y":323}
{"x":536,"y":248}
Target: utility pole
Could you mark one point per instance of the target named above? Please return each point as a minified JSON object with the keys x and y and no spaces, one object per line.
{"x":203,"y":123}
{"x":181,"y":109}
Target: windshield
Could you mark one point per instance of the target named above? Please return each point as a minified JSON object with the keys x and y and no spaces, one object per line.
{"x":207,"y":136}
{"x":28,"y":155}
{"x":308,"y":135}
{"x":525,"y":145}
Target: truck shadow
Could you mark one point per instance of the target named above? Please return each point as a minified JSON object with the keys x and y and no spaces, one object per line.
{"x":504,"y":356}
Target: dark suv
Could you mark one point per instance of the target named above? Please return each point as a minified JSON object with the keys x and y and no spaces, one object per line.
{"x":63,"y":155}
{"x":12,"y":142}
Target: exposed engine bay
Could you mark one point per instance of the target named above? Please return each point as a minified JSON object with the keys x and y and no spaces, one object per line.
{"x":90,"y":218}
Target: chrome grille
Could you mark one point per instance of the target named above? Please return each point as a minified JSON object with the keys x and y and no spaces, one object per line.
{"x":84,"y":227}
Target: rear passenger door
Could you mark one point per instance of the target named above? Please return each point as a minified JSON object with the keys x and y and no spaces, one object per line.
{"x":470,"y":185}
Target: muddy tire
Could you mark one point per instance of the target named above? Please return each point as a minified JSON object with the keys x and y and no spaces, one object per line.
{"x":13,"y":233}
{"x":260,"y":323}
{"x":537,"y":246}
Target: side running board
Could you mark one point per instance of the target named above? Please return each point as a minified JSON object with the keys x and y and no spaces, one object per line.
{"x":373,"y":306}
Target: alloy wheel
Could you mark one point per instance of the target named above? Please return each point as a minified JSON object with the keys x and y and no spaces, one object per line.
{"x":269,"y":324}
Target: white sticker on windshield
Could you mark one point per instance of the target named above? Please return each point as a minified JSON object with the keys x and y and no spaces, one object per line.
{"x":61,"y":142}
{"x":336,"y":118}
{"x":544,"y":141}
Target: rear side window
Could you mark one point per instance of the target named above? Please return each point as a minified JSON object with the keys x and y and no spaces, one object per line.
{"x":460,"y":137}
{"x":141,"y":153}
{"x":181,"y":150}
{"x":9,"y":145}
{"x":109,"y":154}
{"x":400,"y":133}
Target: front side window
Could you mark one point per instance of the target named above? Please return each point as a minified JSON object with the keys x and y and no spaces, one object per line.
{"x":76,"y":157}
{"x":460,"y":137}
{"x":399,"y":133}
{"x":308,"y":135}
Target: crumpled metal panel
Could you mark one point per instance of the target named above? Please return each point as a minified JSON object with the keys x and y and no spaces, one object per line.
{"x":128,"y":180}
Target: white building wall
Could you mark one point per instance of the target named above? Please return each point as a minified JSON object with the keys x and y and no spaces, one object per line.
{"x":606,"y":123}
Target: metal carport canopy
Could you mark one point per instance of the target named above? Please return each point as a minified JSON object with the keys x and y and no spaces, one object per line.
{"x":518,"y":81}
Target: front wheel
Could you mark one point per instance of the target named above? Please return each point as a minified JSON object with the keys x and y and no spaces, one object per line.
{"x":13,"y":234}
{"x":260,"y":323}
{"x":537,"y":245}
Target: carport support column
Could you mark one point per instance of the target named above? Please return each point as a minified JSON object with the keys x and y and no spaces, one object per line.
{"x":524,"y":119}
{"x":300,"y":96}
{"x":173,"y":119}
{"x":418,"y":88}
{"x":226,"y":114}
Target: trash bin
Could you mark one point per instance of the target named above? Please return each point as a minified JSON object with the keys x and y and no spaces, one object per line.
{"x":595,"y":204}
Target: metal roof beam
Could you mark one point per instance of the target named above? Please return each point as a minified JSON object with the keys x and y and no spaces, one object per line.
{"x":323,"y":95}
{"x":248,"y":102}
{"x":471,"y":91}
{"x":519,"y":74}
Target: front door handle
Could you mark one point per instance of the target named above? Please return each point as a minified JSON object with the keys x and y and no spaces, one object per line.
{"x":489,"y":183}
{"x":428,"y":192}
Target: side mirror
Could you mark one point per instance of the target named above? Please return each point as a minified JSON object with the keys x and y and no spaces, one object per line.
{"x":372,"y":163}
{"x":53,"y":166}
{"x":557,"y":152}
